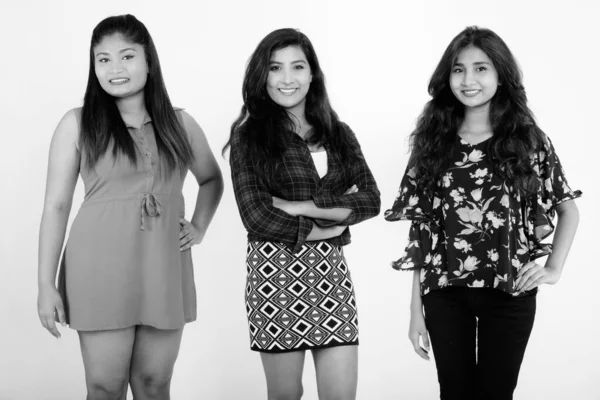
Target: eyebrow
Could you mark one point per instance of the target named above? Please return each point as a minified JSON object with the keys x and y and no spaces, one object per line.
{"x":293,"y":62}
{"x":475,"y":63}
{"x":120,"y":51}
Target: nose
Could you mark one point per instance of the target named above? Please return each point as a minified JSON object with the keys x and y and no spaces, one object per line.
{"x":116,"y":66}
{"x":287,"y":76}
{"x":468,"y":77}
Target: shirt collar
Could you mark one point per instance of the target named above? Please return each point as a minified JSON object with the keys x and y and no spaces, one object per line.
{"x":146,"y":120}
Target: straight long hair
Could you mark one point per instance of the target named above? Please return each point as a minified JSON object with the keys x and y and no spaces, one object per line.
{"x":101,"y":122}
{"x":263,"y":124}
{"x":516,"y":134}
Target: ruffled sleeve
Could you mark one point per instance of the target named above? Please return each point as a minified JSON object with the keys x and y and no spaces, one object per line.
{"x":425,"y":235}
{"x":553,"y":190}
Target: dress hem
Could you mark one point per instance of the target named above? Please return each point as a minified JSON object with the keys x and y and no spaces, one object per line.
{"x":161,"y":327}
{"x":304,"y":348}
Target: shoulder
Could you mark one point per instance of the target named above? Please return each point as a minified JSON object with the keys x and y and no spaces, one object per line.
{"x":69,"y":126}
{"x":544,"y":146}
{"x":345,"y":131}
{"x":191,"y":127}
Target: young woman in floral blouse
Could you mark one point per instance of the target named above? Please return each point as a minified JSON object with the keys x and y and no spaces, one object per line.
{"x":482,"y":187}
{"x":300,"y":180}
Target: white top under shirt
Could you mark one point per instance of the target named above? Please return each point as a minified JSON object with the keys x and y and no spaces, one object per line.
{"x":320,"y":160}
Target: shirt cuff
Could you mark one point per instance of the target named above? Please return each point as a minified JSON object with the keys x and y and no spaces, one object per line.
{"x":304,"y":227}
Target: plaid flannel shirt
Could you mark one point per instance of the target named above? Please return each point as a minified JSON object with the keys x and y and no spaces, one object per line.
{"x":296,"y":179}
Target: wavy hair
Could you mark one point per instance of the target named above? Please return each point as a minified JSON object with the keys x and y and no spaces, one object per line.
{"x":101,"y":122}
{"x":516,"y":134}
{"x":262,"y":123}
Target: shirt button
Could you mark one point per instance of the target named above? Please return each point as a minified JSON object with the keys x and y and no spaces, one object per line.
{"x":147,"y":154}
{"x":150,"y":174}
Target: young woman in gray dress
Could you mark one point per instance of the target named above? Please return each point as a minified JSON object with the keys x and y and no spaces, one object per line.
{"x":126,"y":275}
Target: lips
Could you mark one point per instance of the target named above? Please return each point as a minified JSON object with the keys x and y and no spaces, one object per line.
{"x":118,"y":81}
{"x":287,"y":92}
{"x":471,"y":92}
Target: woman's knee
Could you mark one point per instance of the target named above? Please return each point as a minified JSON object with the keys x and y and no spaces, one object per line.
{"x":151,"y":384}
{"x":106,"y":389}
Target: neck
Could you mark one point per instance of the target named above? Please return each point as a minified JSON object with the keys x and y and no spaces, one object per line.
{"x":477,"y":120}
{"x":132,"y":109}
{"x":301,"y":126}
{"x":131,"y":104}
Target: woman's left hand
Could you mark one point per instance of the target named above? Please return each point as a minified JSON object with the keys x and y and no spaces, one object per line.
{"x":533,"y":275}
{"x":289,"y":207}
{"x":189,"y":235}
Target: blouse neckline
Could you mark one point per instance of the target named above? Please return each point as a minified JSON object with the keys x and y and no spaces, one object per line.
{"x":465,"y":143}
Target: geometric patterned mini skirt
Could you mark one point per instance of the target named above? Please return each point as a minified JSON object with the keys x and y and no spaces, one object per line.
{"x":299,"y":301}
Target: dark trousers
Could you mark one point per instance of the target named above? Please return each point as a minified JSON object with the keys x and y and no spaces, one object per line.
{"x":479,"y":336}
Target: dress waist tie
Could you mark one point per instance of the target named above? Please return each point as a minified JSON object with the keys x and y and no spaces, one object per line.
{"x":150,"y":206}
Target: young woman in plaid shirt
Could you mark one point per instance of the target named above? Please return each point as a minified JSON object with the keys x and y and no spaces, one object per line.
{"x":300,"y":180}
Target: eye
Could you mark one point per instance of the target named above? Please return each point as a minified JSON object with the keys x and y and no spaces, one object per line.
{"x":274,"y":68}
{"x":299,"y":66}
{"x":481,"y":69}
{"x":128,"y":56}
{"x":102,"y":60}
{"x":457,"y":70}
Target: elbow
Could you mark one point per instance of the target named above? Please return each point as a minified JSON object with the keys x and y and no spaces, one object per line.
{"x":255,"y":226}
{"x":375,"y":205}
{"x":58,"y":207}
{"x":568,"y":211}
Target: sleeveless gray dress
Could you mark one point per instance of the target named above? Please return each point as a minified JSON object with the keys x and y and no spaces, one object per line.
{"x":121,"y":265}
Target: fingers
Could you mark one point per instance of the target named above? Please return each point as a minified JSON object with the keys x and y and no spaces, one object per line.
{"x":425,"y":338}
{"x":183,"y":222}
{"x":60,"y":312}
{"x":186,"y":242}
{"x":50,"y":325}
{"x":527,"y":267}
{"x":414,"y":339}
{"x":534,"y":282}
{"x":526,"y":274}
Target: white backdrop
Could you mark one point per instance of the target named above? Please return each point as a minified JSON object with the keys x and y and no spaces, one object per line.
{"x":377,"y":57}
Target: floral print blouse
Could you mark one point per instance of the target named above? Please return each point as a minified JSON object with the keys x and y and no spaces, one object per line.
{"x":477,"y":231}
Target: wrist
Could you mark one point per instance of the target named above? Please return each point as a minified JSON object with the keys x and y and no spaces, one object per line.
{"x":553,"y":267}
{"x":416,"y":308}
{"x":301,"y":207}
{"x":45,"y":285}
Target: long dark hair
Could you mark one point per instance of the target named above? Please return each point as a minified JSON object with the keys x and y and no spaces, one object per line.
{"x":101,"y":122}
{"x":516,"y":134}
{"x":263,"y":124}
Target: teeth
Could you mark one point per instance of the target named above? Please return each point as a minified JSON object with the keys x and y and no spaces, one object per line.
{"x":287,"y":91}
{"x":120,"y":80}
{"x":470,"y":91}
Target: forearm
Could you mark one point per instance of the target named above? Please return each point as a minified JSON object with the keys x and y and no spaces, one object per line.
{"x":207,"y":201}
{"x":52,"y":235}
{"x":320,"y":233}
{"x":362,"y":205}
{"x":309,"y":209}
{"x":568,"y":220}
{"x":416,"y":303}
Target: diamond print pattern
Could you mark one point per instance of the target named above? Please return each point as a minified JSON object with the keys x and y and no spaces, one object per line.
{"x":312,"y":297}
{"x":282,"y":279}
{"x":299,"y":301}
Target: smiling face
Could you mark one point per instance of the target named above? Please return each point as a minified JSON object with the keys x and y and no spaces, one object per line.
{"x":473,"y":79}
{"x":120,"y":66}
{"x":289,"y":79}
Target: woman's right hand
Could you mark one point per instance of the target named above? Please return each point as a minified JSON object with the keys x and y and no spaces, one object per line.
{"x":418,"y":330}
{"x":49,"y":303}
